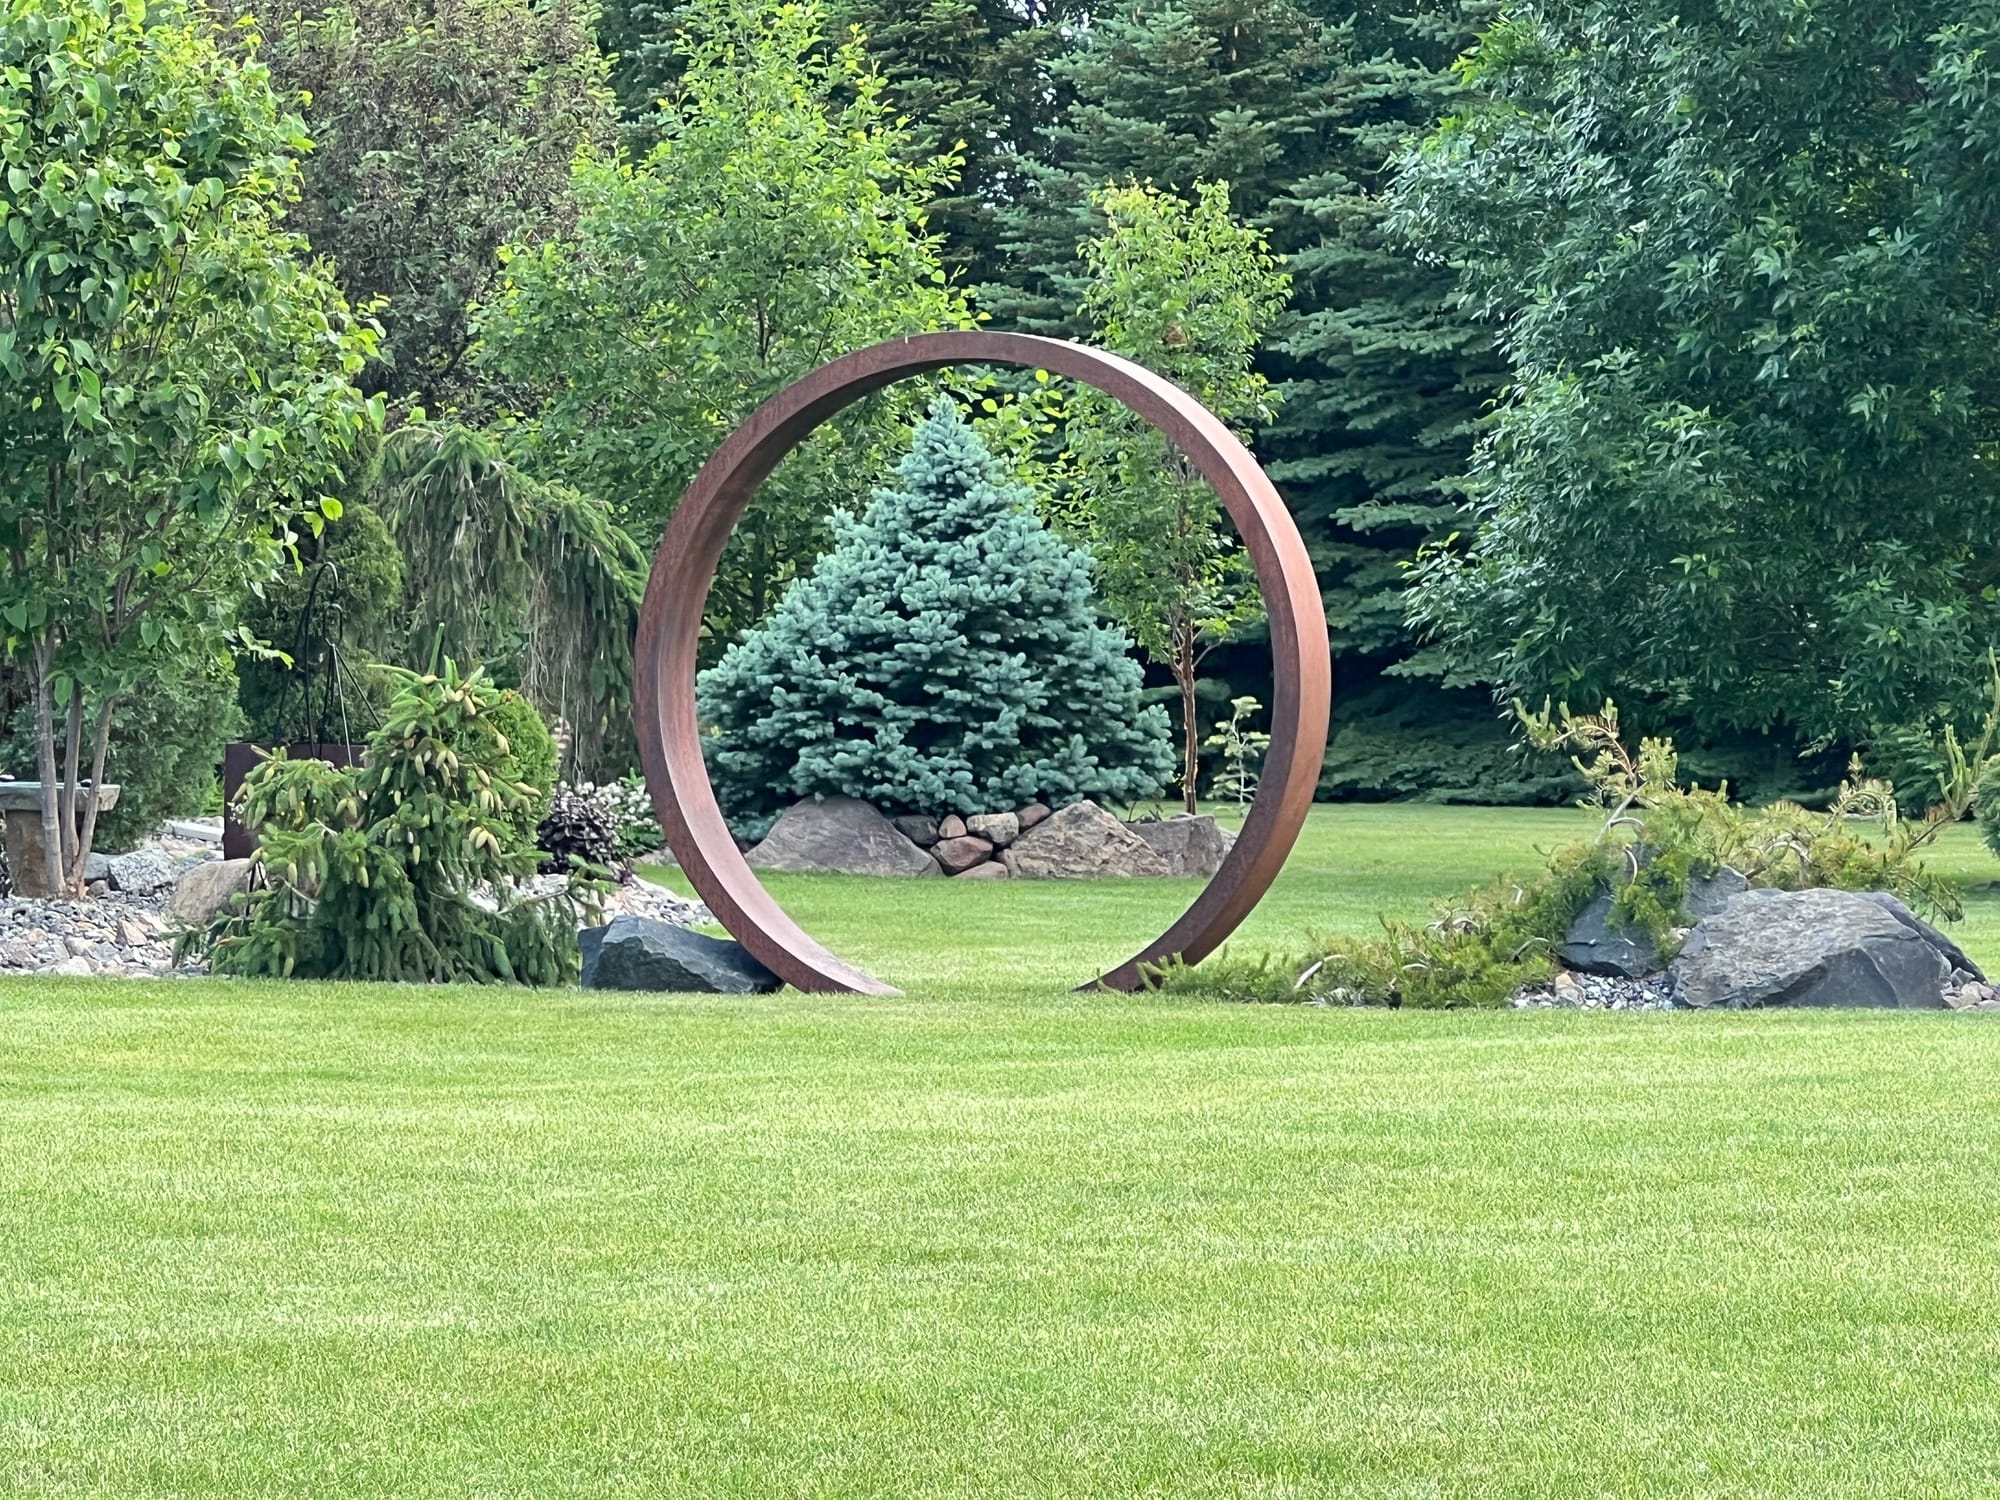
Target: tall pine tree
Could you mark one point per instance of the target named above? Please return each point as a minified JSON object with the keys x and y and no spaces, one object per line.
{"x":1384,"y":382}
{"x":945,"y":656}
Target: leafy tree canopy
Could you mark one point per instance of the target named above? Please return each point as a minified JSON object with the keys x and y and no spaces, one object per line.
{"x":1740,"y":259}
{"x":778,"y":223}
{"x":442,"y":131}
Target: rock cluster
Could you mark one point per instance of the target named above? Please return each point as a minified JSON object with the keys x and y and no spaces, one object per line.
{"x":118,"y":935}
{"x":842,"y":835}
{"x":139,"y":900}
{"x":1754,"y":948}
{"x":1571,"y":990}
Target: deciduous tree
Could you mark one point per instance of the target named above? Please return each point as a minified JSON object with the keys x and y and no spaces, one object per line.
{"x":179,"y":378}
{"x":778,"y":223}
{"x":1740,"y":261}
{"x":1182,"y":287}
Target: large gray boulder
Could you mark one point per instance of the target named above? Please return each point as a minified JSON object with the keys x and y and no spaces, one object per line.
{"x":1081,"y":842}
{"x":205,"y":890}
{"x":1595,"y":944}
{"x":839,"y":836}
{"x":1190,"y":845}
{"x":1809,"y":948}
{"x":643,"y":953}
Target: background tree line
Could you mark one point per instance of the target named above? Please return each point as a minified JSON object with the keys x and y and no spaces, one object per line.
{"x":1654,"y":337}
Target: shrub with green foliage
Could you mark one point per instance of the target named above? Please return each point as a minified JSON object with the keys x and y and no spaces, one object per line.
{"x":1657,"y":837}
{"x":408,"y":868}
{"x":945,"y":656}
{"x":528,"y":762}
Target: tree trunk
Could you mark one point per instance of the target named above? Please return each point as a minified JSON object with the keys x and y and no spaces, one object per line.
{"x":99,"y":748}
{"x":45,"y":765}
{"x":1184,"y":671}
{"x":72,"y":770}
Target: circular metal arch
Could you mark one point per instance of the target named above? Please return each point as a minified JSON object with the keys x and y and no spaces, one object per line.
{"x":690,"y":550}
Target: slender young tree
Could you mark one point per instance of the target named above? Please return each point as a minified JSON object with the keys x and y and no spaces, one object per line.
{"x":1184,"y":288}
{"x":179,"y":377}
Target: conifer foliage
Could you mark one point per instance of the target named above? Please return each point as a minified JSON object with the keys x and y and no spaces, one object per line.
{"x":945,"y":656}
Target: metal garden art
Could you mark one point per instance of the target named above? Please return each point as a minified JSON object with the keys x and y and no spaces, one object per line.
{"x":683,"y":570}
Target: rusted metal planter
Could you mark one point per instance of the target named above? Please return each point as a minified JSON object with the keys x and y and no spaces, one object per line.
{"x":684,"y":569}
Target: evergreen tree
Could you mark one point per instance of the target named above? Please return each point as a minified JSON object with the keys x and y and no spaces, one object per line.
{"x":945,"y":656}
{"x":1236,"y":91}
{"x":1300,"y":105}
{"x":1384,"y":381}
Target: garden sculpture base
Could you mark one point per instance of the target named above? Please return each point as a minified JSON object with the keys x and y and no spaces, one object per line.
{"x":21,"y":805}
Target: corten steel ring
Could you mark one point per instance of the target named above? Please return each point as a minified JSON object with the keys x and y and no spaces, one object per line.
{"x":677,"y":594}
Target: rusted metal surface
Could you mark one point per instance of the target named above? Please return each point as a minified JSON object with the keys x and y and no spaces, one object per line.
{"x":677,"y":593}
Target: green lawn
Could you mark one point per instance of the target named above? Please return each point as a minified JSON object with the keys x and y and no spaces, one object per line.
{"x":995,"y":1239}
{"x":942,"y":937}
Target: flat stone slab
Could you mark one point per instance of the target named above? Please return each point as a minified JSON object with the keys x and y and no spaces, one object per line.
{"x":25,"y":796}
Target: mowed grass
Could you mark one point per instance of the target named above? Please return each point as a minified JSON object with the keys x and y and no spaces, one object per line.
{"x":992,"y":1238}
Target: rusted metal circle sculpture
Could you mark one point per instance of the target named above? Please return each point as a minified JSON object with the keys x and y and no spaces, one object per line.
{"x":677,"y":594}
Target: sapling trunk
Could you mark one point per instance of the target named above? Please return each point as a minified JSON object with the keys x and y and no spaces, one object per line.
{"x":1184,"y":675}
{"x":93,"y":804}
{"x":72,"y":770}
{"x":45,"y":766}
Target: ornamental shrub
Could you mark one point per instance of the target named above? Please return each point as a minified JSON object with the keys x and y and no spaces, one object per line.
{"x":945,"y":656}
{"x":410,"y":868}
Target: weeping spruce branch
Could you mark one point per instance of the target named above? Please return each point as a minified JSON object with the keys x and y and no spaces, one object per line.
{"x":501,"y":560}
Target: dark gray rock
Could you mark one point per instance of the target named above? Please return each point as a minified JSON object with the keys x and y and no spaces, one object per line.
{"x":642,"y":953}
{"x":140,"y":873}
{"x":921,"y":831}
{"x":97,"y":867}
{"x":1595,"y":944}
{"x":1809,"y":948}
{"x":1189,"y":845}
{"x":1082,"y":842}
{"x":1954,"y":954}
{"x":840,"y":836}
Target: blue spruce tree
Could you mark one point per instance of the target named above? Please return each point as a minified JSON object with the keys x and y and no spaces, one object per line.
{"x":945,"y":656}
